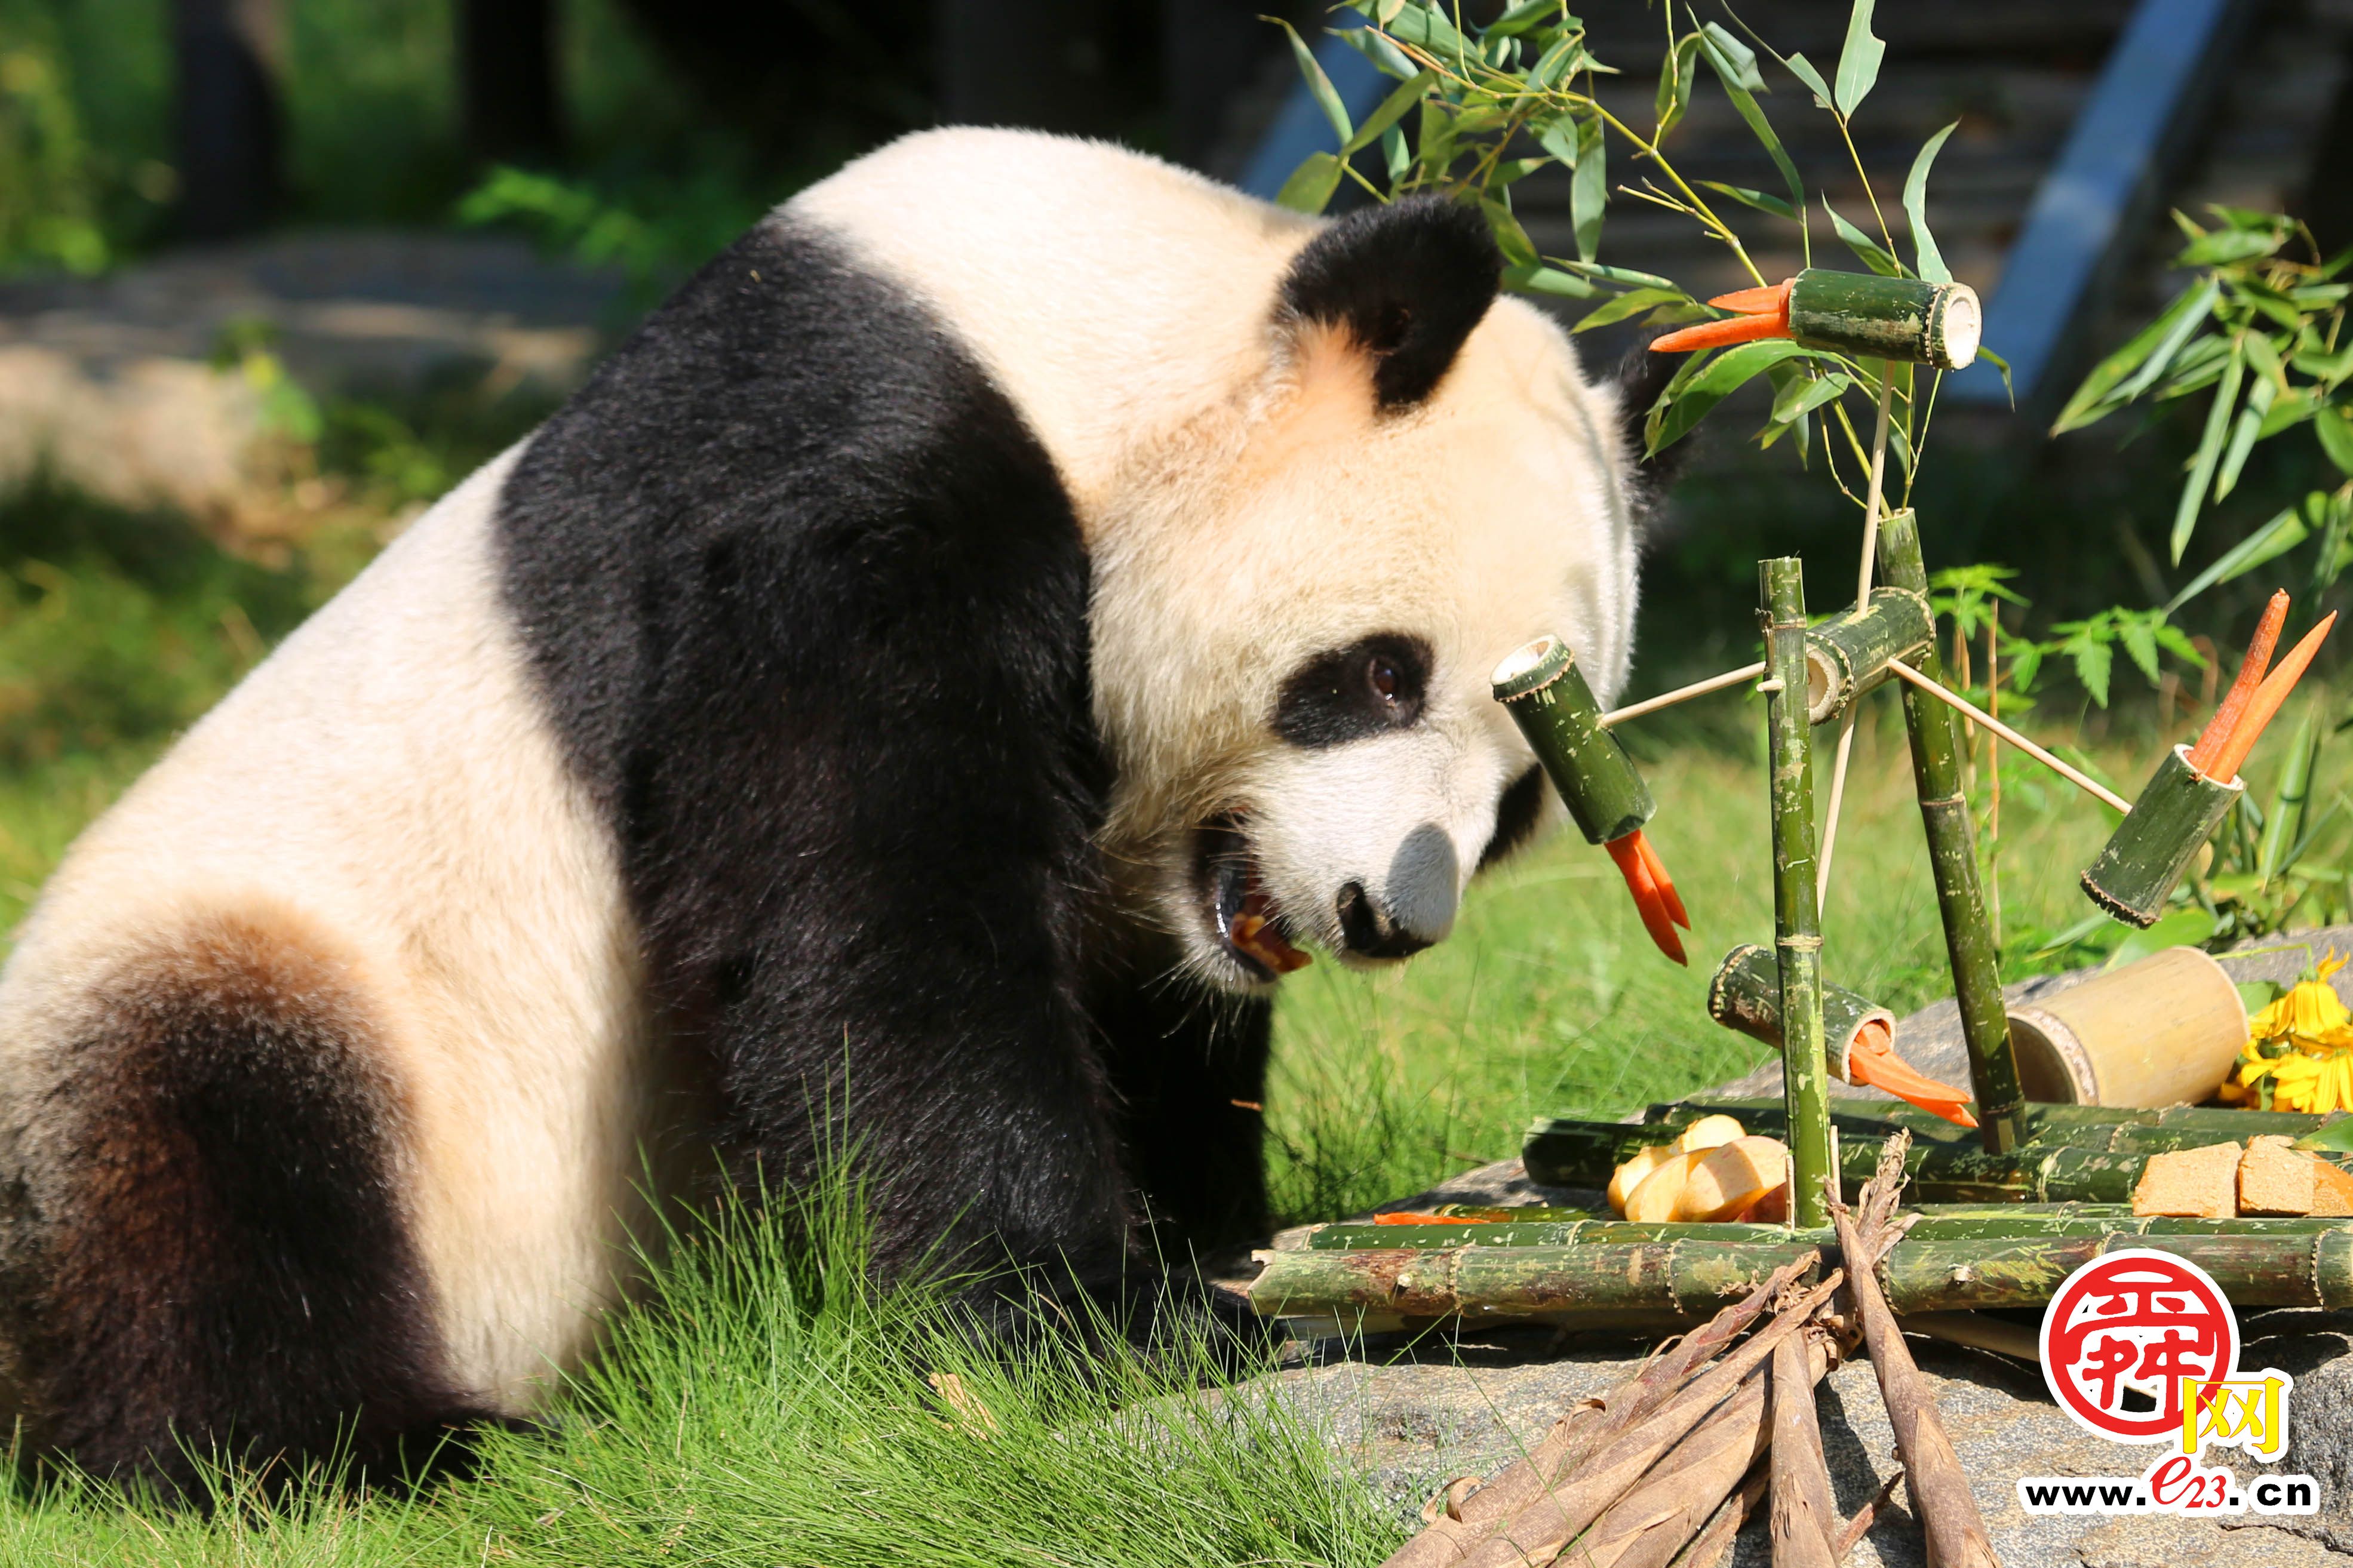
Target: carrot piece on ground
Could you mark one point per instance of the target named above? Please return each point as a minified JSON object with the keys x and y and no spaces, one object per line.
{"x":1660,"y":880}
{"x":1627,"y":852}
{"x":2217,"y":733}
{"x":1720,"y":334}
{"x":2265,"y":703}
{"x":1885,"y":1069}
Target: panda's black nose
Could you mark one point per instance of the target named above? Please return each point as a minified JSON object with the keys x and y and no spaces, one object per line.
{"x":1368,"y":929}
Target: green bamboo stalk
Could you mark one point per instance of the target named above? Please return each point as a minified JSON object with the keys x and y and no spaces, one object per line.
{"x":1951,"y":1222}
{"x":1953,"y":861}
{"x":1746,"y":995}
{"x":1548,"y":696}
{"x":1670,"y":1281}
{"x":1849,"y":656}
{"x":1797,"y":926}
{"x":1910,"y":319}
{"x":2046,"y":1122}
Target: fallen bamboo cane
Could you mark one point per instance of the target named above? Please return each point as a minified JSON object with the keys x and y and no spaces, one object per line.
{"x":1860,"y":1525}
{"x":1577,"y":1435}
{"x":1938,"y":1487}
{"x":1712,"y":1544}
{"x":1952,"y":861}
{"x":1804,"y":1517}
{"x":1796,"y":930}
{"x":1538,"y":1532}
{"x":2285,"y":1263}
{"x":1937,"y":1222}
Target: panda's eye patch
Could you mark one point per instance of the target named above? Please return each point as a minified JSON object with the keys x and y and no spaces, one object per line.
{"x":1368,"y":688}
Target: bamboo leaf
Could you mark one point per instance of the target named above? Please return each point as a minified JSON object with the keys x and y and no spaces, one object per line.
{"x":1395,"y":154}
{"x":1311,"y":185}
{"x":1803,"y":69}
{"x":1678,"y":69}
{"x":1738,"y":55}
{"x":1623,"y":275}
{"x":1715,"y":380}
{"x":2210,"y":449}
{"x":1929,"y":259}
{"x":2220,"y":247}
{"x":1558,"y":137}
{"x":1385,"y":57}
{"x":1428,"y":30}
{"x":2244,"y":431}
{"x":1392,"y":110}
{"x":1801,"y":396}
{"x":1561,"y":59}
{"x":1319,"y":86}
{"x":1633,"y":302}
{"x":2334,"y":429}
{"x":1743,"y":103}
{"x":1513,"y":240}
{"x":1858,"y":67}
{"x":1758,"y":199}
{"x":1588,"y":189}
{"x":1550,"y":280}
{"x":1522,"y":17}
{"x":2003,"y":366}
{"x":2291,"y":527}
{"x":1874,"y":255}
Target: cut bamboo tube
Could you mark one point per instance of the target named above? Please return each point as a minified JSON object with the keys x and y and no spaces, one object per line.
{"x":1907,"y":319}
{"x":1848,"y":657}
{"x":2136,"y":871}
{"x":1939,"y":1486}
{"x":1797,"y":932}
{"x":1804,"y":1516}
{"x":2164,"y":1030}
{"x":1577,"y":1435}
{"x":1547,"y":696}
{"x":1953,"y":861}
{"x":1746,"y":995}
{"x":2002,"y":732}
{"x":1538,"y":1532}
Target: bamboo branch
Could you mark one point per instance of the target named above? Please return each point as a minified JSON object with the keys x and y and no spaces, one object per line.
{"x":1870,"y":503}
{"x":2081,"y":780}
{"x":1864,"y":1517}
{"x":1681,"y":694}
{"x":1797,"y":917}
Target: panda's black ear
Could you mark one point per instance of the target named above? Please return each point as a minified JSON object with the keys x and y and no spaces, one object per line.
{"x":1406,"y":282}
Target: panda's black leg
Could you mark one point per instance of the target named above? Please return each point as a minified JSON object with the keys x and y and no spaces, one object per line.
{"x":206,"y":1250}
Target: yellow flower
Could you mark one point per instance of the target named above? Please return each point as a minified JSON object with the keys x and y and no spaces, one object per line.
{"x":2314,"y":1072}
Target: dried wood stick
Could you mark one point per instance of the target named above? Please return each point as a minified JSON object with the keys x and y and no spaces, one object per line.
{"x":1713,"y":1542}
{"x":1860,"y":1525}
{"x":1939,"y":1486}
{"x":1575,"y":1436}
{"x":1683,"y":694}
{"x":1953,"y":700}
{"x":1804,"y":1515}
{"x":1539,"y":1531}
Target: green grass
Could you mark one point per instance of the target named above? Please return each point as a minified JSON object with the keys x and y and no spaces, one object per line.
{"x":767,"y":1406}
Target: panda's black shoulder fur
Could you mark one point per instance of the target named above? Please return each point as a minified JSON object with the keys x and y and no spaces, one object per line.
{"x":807,"y":602}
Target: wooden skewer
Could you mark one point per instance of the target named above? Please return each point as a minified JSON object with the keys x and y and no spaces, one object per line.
{"x":1683,"y":694}
{"x":2075,"y":776}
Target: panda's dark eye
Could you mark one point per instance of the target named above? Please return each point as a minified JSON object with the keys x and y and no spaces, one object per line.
{"x":1369,"y":688}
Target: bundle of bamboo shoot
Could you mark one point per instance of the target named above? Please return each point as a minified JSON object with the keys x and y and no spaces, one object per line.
{"x":1661,"y":1471}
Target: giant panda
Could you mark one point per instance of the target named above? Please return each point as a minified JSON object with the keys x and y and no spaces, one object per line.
{"x":917,"y":698}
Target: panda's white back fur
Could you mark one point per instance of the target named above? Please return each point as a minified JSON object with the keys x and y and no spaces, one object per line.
{"x":387,"y":784}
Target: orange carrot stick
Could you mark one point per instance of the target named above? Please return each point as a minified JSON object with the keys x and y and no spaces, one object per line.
{"x":1660,"y":880}
{"x":1627,"y":852}
{"x":1886,"y":1071}
{"x":2217,"y":732}
{"x":2266,"y":701}
{"x":1720,"y":334}
{"x":1773,"y":297}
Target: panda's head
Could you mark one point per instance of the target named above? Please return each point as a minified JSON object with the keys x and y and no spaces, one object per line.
{"x":1303,"y":590}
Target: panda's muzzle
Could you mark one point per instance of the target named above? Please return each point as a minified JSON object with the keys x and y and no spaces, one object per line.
{"x":1247,"y":926}
{"x":1371,"y":932}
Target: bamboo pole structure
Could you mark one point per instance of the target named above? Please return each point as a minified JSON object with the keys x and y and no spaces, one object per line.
{"x":2002,"y":732}
{"x":2044,"y":1123}
{"x":2257,"y":1263}
{"x":1665,"y":699}
{"x":1796,"y":933}
{"x":1952,"y":858}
